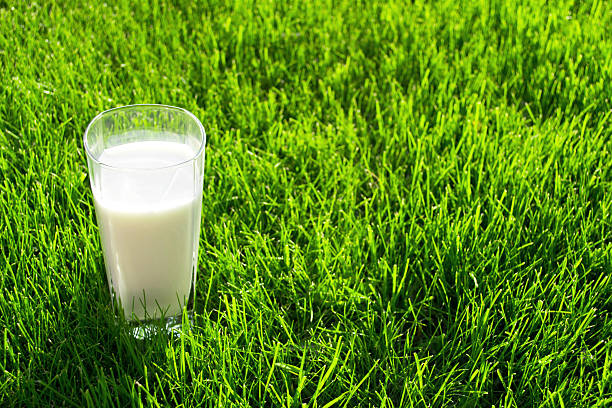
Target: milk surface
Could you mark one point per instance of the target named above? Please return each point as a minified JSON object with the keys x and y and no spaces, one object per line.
{"x":149,"y":217}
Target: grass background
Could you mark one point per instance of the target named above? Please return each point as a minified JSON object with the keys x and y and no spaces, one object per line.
{"x":405,"y":203}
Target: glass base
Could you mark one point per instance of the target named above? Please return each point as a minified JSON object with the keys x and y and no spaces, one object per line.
{"x":172,"y":326}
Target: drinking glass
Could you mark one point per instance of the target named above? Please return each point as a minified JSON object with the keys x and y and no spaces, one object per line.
{"x":146,"y":169}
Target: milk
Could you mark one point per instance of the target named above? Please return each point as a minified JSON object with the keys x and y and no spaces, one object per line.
{"x":149,"y":220}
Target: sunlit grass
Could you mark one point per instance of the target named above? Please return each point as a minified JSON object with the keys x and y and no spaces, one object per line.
{"x":405,"y":204}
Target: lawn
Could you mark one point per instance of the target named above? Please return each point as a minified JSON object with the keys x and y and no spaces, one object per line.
{"x":405,"y":203}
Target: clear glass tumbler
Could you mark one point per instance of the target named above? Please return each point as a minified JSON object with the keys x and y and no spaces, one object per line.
{"x":146,"y":168}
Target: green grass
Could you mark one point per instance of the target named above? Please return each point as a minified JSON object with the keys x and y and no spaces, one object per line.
{"x":405,"y":203}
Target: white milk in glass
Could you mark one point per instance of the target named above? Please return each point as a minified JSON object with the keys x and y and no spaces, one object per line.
{"x":149,"y":224}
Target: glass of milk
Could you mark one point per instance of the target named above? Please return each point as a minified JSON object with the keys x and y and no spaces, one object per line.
{"x":146,"y":168}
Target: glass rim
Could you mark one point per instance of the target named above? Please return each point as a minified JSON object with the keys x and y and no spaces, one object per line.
{"x":200,"y":150}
